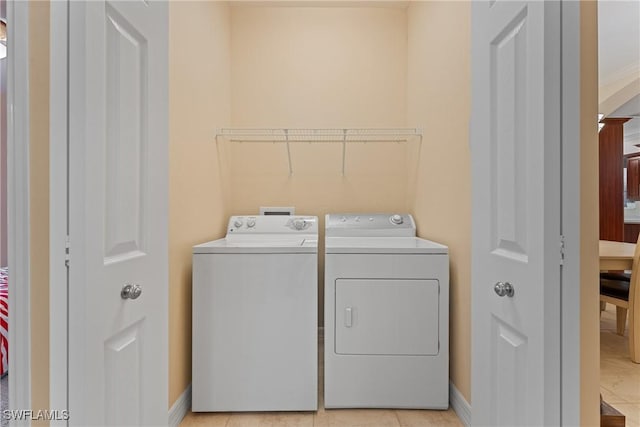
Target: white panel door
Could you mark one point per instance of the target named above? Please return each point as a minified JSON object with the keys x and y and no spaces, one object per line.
{"x":118,"y":185}
{"x":515,"y":145}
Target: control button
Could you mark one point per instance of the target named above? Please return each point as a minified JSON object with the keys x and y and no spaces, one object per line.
{"x":251,"y":222}
{"x":357,"y":219}
{"x":370,"y":218}
{"x":238,"y":223}
{"x":299,"y":224}
{"x":343,"y":219}
{"x":396,"y":219}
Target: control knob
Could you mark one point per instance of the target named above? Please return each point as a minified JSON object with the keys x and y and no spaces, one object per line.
{"x":251,"y":222}
{"x":396,"y":219}
{"x":299,"y":224}
{"x":237,"y":223}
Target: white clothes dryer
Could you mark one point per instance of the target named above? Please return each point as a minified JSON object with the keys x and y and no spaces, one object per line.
{"x":386,"y":316}
{"x":255,"y":296}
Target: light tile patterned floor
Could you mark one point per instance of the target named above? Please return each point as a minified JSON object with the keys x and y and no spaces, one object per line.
{"x":619,"y":376}
{"x":325,"y":418}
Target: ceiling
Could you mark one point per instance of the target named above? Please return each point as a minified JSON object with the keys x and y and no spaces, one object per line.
{"x":619,"y":57}
{"x":618,"y":39}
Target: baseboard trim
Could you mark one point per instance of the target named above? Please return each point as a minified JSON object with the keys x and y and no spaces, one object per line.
{"x":180,"y":407}
{"x":459,"y":405}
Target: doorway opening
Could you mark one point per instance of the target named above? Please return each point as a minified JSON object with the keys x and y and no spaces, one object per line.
{"x":619,"y":145}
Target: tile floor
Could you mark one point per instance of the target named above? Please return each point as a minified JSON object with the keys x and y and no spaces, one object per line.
{"x":325,"y":418}
{"x":619,"y":376}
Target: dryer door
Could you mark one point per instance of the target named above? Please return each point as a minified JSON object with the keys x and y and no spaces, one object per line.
{"x":387,"y":317}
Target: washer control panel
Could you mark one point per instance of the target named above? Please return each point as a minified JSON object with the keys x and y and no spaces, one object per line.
{"x":370,"y":224}
{"x":272,"y":224}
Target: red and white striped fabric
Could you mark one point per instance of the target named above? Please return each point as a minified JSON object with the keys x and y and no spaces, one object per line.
{"x":4,"y":320}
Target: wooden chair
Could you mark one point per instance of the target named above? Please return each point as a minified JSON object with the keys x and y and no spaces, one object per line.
{"x":623,"y":294}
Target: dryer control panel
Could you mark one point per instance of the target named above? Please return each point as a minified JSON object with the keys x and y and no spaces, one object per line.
{"x":370,"y":224}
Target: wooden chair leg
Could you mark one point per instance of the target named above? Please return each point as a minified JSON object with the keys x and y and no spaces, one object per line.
{"x":634,"y":337}
{"x":603,"y":305}
{"x":621,"y":320}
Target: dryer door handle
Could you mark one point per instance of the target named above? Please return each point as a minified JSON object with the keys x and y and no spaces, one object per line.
{"x":348,"y":317}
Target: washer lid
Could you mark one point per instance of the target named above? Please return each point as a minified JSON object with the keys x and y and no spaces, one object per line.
{"x":270,"y":245}
{"x":383,"y":245}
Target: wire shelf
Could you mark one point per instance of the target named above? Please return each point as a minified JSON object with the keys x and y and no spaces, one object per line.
{"x":319,"y":135}
{"x":342,"y":136}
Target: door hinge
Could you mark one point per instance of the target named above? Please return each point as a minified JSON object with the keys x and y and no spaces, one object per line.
{"x":67,"y":250}
{"x":561,"y":249}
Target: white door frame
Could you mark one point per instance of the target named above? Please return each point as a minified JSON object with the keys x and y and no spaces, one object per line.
{"x":58,"y":209}
{"x":570,"y":226}
{"x":18,"y":206}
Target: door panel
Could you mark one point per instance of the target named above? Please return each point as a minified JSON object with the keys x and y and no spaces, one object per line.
{"x":509,"y":358}
{"x":515,"y":144}
{"x":123,"y":360}
{"x":118,"y":192}
{"x":126,"y":137}
{"x":508,"y":149}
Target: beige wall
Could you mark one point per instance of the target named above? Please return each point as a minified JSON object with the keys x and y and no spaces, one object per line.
{"x":199,"y":90}
{"x":439,"y":95}
{"x":318,"y":67}
{"x":39,"y":199}
{"x":589,"y":222}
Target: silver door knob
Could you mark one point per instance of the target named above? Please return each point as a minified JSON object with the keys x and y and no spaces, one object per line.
{"x":131,"y":291}
{"x":504,"y":289}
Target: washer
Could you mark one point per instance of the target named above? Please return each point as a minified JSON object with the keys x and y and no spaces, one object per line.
{"x":255,"y":296}
{"x":386,"y":314}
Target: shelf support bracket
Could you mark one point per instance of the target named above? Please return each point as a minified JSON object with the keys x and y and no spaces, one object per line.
{"x":286,"y":136}
{"x":344,"y":149}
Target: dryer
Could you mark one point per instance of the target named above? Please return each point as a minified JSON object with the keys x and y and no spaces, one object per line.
{"x":255,"y":296}
{"x":386,"y":342}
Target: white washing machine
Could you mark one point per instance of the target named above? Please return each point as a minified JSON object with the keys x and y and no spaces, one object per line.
{"x":386,"y":319}
{"x":255,"y":296}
